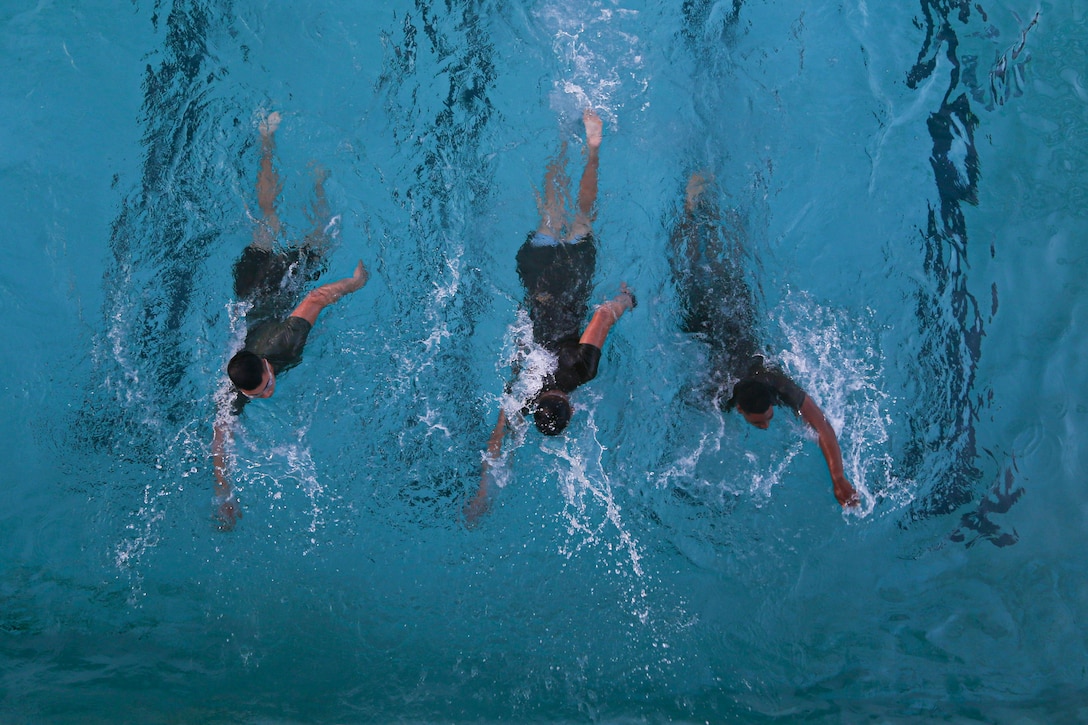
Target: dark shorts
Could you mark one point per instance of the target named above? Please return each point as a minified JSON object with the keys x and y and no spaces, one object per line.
{"x":716,"y":302}
{"x":558,"y":279}
{"x":272,"y":282}
{"x":261,"y":273}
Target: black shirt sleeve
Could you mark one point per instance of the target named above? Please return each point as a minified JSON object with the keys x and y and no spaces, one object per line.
{"x":281,"y":343}
{"x":577,"y":365}
{"x":789,"y":392}
{"x":784,"y":388}
{"x":589,"y":357}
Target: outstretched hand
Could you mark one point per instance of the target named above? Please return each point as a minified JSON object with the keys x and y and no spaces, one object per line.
{"x":327,"y":294}
{"x":269,"y":124}
{"x":594,"y":128}
{"x":475,"y":509}
{"x":228,"y":512}
{"x":845,"y":493}
{"x":625,"y":299}
{"x":622,"y":302}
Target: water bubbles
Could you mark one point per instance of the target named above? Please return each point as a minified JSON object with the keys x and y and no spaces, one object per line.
{"x":598,"y":53}
{"x":834,"y":357}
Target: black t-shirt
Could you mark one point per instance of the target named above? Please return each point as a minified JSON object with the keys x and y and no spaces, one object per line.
{"x":785,"y":391}
{"x":278,"y":342}
{"x":577,"y":365}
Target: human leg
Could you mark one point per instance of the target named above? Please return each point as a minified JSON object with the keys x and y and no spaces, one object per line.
{"x":311,"y":252}
{"x":587,"y":187}
{"x":258,"y":270}
{"x":689,"y":237}
{"x":706,"y":249}
{"x":692,"y":267}
{"x":320,"y":213}
{"x":552,"y":206}
{"x":268,"y":185}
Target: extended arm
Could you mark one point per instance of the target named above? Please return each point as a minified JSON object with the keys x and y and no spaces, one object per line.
{"x":478,"y":506}
{"x":327,"y":294}
{"x":596,"y":331}
{"x":829,"y":444}
{"x":228,"y":511}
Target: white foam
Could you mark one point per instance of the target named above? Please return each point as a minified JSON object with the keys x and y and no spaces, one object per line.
{"x":836,"y":360}
{"x":596,"y":55}
{"x":588,"y":493}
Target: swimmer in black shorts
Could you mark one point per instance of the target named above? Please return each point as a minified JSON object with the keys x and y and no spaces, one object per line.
{"x":556,"y":264}
{"x":270,"y":280}
{"x":717,"y":307}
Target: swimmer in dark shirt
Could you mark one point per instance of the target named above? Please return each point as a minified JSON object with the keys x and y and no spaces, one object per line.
{"x":556,"y":264}
{"x":718,"y":308}
{"x":270,"y":280}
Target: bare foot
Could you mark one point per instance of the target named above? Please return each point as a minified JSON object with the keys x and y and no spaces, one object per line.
{"x":320,"y":173}
{"x":696,"y":185}
{"x":271,"y":122}
{"x":593,"y":128}
{"x":359,"y":278}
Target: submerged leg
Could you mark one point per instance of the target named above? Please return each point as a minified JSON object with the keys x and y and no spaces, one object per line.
{"x":697,"y":184}
{"x":319,"y":239}
{"x":268,"y":186}
{"x":697,"y":213}
{"x":587,"y":187}
{"x":715,"y":299}
{"x":552,"y":206}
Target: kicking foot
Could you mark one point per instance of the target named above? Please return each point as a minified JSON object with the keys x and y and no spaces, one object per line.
{"x":271,"y":122}
{"x":696,"y":186}
{"x":594,"y":127}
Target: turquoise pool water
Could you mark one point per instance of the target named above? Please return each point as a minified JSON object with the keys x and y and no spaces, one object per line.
{"x":910,"y":179}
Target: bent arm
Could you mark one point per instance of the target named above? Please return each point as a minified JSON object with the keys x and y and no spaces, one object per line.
{"x":596,"y":331}
{"x":829,"y":444}
{"x":327,"y":294}
{"x":479,"y":504}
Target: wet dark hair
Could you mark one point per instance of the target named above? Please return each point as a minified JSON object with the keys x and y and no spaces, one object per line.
{"x":552,"y":413}
{"x":246,"y":370}
{"x":752,"y":396}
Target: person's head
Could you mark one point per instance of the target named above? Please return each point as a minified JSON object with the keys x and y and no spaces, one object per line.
{"x":252,"y":375}
{"x":755,"y":402}
{"x":552,"y":412}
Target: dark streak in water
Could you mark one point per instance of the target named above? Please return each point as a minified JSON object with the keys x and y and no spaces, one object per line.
{"x":943,"y":453}
{"x":159,"y":242}
{"x":451,"y":186}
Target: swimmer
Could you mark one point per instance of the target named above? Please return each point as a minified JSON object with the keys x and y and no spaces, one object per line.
{"x":718,"y":307}
{"x":556,"y":265}
{"x":270,"y":280}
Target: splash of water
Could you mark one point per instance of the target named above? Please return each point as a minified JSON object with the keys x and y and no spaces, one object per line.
{"x":835,"y":360}
{"x":598,"y":59}
{"x":587,"y":488}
